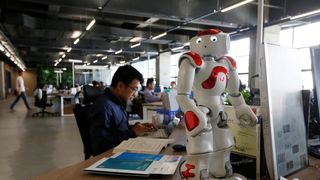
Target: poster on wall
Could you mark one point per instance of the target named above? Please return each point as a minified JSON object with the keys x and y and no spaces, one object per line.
{"x":282,"y":111}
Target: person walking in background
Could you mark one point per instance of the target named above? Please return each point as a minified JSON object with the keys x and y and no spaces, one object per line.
{"x":20,"y":91}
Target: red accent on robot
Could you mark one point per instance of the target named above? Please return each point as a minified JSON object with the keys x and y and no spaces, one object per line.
{"x":211,"y":81}
{"x":196,"y":58}
{"x":192,"y":120}
{"x":233,"y":62}
{"x":187,"y":172}
{"x":208,"y":32}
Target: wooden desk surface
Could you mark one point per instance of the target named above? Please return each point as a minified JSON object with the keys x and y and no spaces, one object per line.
{"x":158,"y":103}
{"x":76,"y":171}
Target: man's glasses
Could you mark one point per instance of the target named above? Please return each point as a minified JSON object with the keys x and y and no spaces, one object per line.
{"x":133,"y":89}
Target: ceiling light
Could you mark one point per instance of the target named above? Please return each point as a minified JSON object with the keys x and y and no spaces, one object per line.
{"x":1,"y":48}
{"x":135,"y":39}
{"x":84,"y":65}
{"x":69,"y":49}
{"x":90,"y":24}
{"x":75,"y":34}
{"x":7,"y":54}
{"x":95,"y":61}
{"x":177,"y":48}
{"x":76,"y":41}
{"x":118,"y":52}
{"x":134,"y":59}
{"x":122,"y":62}
{"x":88,"y":64}
{"x":60,"y":60}
{"x":104,"y":58}
{"x":236,"y":5}
{"x":75,"y":60}
{"x":56,"y":63}
{"x":107,"y":65}
{"x":159,"y":36}
{"x":305,"y":14}
{"x":135,"y":45}
{"x":64,"y":55}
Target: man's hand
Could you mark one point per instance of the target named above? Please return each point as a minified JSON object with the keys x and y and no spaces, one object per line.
{"x":140,"y":129}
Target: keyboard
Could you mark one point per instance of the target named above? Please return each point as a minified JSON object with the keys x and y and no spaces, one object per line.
{"x":160,"y":133}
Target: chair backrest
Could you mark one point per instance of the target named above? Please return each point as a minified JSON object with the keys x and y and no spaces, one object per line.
{"x":81,"y":114}
{"x":43,"y":101}
{"x":90,"y":93}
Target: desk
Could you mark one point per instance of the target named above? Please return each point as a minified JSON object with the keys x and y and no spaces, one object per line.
{"x":62,"y":97}
{"x":76,"y":171}
{"x":150,"y":108}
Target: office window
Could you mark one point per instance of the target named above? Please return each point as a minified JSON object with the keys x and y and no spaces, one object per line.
{"x":146,"y":68}
{"x":240,"y":50}
{"x":302,"y":37}
{"x":174,"y":69}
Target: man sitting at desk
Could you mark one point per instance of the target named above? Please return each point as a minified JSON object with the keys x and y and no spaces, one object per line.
{"x":147,"y":93}
{"x":109,"y":120}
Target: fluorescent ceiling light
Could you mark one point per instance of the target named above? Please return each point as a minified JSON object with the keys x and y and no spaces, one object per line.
{"x":177,"y":48}
{"x":1,"y":48}
{"x":60,"y":60}
{"x":64,"y":55}
{"x":159,"y":36}
{"x":104,"y":58}
{"x":118,"y":52}
{"x":305,"y":14}
{"x":56,"y":64}
{"x":236,"y":5}
{"x":7,"y":54}
{"x":135,"y":39}
{"x":75,"y":60}
{"x":135,"y":45}
{"x":95,"y":61}
{"x":76,"y":41}
{"x":122,"y":62}
{"x":75,"y":34}
{"x":90,"y":24}
{"x":187,"y":44}
{"x":88,"y":64}
{"x":134,"y":59}
{"x":84,"y":65}
{"x":69,"y":49}
{"x":106,"y":65}
{"x":58,"y":71}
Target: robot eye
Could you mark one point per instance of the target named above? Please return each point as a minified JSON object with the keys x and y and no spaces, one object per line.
{"x":199,"y":40}
{"x":213,"y":38}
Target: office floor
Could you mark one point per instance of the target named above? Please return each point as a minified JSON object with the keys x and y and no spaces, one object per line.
{"x":33,"y":146}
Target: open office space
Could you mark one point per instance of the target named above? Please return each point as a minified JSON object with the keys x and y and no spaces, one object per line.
{"x":204,"y":56}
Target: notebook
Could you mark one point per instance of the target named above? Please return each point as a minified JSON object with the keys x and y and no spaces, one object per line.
{"x":136,"y":164}
{"x":143,"y":145}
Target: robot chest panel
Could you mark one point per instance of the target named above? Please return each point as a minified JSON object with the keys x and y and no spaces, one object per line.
{"x":213,"y":77}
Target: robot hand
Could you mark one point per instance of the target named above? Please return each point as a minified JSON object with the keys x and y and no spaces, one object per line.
{"x":196,"y":121}
{"x":246,"y":116}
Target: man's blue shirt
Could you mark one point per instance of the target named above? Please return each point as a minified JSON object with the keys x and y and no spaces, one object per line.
{"x":109,"y":123}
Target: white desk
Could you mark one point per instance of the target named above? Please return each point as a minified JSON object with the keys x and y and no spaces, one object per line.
{"x":149,"y":109}
{"x":62,"y":97}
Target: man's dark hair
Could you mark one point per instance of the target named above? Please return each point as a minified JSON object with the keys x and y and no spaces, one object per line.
{"x":126,"y":74}
{"x":20,"y":72}
{"x":149,"y":81}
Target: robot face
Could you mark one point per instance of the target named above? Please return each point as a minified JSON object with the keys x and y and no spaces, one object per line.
{"x":217,"y":44}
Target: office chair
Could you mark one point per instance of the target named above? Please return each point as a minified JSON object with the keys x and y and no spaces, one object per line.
{"x":81,"y":113}
{"x":42,"y":104}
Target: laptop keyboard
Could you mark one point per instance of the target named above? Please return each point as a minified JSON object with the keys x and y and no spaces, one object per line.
{"x":160,"y":133}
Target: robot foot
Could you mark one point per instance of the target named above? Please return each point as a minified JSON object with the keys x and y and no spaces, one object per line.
{"x":234,"y":176}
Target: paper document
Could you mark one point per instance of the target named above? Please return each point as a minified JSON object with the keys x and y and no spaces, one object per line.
{"x":143,"y":145}
{"x":127,"y":163}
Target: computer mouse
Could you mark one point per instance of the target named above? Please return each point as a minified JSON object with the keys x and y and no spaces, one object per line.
{"x":179,"y":147}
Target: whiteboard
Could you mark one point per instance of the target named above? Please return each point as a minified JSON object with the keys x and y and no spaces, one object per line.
{"x":282,"y":111}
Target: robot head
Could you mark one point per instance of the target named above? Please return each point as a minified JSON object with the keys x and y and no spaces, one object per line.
{"x":210,"y":42}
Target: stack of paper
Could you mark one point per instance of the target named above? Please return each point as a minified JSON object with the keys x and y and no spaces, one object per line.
{"x":143,"y":145}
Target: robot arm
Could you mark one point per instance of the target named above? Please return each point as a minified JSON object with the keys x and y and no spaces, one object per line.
{"x":195,"y":117}
{"x":243,"y":111}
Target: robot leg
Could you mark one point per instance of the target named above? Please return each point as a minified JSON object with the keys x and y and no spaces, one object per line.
{"x":220,"y":165}
{"x":195,"y":167}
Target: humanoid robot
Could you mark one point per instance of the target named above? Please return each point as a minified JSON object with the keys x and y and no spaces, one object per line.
{"x":208,"y":72}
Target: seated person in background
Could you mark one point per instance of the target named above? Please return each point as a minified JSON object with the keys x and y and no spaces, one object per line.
{"x":173,"y":85}
{"x":108,"y":117}
{"x":148,"y":95}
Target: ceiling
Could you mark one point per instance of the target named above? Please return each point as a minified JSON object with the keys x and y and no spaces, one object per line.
{"x":43,"y":30}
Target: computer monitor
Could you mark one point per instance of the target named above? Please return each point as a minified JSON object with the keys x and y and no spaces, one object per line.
{"x":169,"y":100}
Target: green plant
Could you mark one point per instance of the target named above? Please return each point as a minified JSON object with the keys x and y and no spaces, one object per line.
{"x":245,"y":93}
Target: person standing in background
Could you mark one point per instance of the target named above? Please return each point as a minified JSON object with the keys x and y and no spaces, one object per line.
{"x":21,"y":91}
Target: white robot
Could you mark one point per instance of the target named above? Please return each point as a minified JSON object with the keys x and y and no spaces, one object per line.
{"x":208,"y":72}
